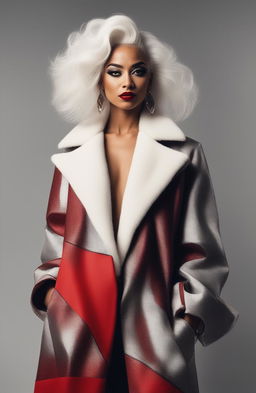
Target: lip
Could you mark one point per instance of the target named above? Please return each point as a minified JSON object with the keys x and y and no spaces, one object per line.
{"x":127,"y":95}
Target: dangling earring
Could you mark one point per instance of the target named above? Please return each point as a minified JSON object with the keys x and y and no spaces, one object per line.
{"x":100,"y":100}
{"x":150,"y":103}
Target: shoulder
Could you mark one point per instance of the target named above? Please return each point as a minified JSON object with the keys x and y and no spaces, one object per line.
{"x":197,"y":164}
{"x":188,"y":146}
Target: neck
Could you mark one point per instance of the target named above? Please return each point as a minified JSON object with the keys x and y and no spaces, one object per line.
{"x":122,"y":122}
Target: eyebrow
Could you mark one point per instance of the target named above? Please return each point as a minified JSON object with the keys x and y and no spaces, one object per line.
{"x":120,"y":66}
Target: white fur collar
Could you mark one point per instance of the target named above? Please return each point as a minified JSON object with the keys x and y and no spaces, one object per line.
{"x":153,"y":167}
{"x":157,"y":126}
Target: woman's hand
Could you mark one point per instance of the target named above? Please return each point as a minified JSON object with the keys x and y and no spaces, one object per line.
{"x":194,"y":321}
{"x":48,"y":296}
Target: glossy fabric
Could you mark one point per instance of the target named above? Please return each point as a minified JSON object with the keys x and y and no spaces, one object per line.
{"x":110,"y":330}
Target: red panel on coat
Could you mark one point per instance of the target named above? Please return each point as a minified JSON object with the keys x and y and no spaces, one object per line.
{"x":87,"y":282}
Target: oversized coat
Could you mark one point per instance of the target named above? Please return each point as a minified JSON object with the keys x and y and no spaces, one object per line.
{"x":115,"y":315}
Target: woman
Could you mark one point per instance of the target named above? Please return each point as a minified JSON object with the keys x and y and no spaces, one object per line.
{"x":133,"y":264}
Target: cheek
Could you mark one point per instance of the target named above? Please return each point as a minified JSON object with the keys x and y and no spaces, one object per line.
{"x":143,"y":84}
{"x":110,"y":85}
{"x":143,"y":89}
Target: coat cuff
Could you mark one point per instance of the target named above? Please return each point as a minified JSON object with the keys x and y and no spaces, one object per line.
{"x":218,"y":317}
{"x":38,"y":295}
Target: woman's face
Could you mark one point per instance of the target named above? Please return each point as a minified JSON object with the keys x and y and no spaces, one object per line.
{"x":126,"y":70}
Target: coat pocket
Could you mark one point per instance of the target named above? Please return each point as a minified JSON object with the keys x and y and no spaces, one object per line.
{"x":185,"y":337}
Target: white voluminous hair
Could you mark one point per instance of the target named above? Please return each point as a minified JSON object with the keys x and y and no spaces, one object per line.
{"x":76,"y":71}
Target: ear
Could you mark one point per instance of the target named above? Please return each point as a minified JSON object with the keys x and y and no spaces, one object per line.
{"x":150,"y":80}
{"x":100,"y":84}
{"x":100,"y":81}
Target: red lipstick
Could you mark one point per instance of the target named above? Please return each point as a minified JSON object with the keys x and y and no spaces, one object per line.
{"x":127,"y":95}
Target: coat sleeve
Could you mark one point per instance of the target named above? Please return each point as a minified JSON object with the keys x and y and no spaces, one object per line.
{"x":45,"y":275}
{"x":202,"y":268}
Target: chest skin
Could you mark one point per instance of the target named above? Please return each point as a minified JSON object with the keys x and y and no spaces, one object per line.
{"x":119,"y":152}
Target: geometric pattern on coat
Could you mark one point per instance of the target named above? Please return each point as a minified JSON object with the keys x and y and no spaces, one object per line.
{"x":119,"y":302}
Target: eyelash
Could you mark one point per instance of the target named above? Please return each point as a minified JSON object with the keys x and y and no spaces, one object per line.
{"x":141,"y":70}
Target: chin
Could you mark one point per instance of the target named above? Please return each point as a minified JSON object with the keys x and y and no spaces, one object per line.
{"x":126,"y":106}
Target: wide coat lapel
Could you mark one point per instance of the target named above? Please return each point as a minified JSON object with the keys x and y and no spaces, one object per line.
{"x":153,"y":167}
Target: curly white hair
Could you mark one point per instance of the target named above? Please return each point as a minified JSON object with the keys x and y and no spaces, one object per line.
{"x":75,"y":71}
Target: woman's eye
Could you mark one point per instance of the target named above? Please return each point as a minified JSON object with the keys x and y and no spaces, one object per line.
{"x":140,"y":71}
{"x":114,"y":73}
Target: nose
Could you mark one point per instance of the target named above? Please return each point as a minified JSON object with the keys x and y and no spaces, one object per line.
{"x":128,"y":81}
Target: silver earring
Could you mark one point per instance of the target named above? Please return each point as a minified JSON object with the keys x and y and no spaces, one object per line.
{"x":100,"y":100}
{"x":150,"y":103}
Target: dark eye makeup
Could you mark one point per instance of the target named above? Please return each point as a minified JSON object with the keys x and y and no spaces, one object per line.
{"x":140,"y":72}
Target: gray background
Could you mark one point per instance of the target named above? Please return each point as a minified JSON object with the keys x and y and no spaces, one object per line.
{"x":217,"y":40}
